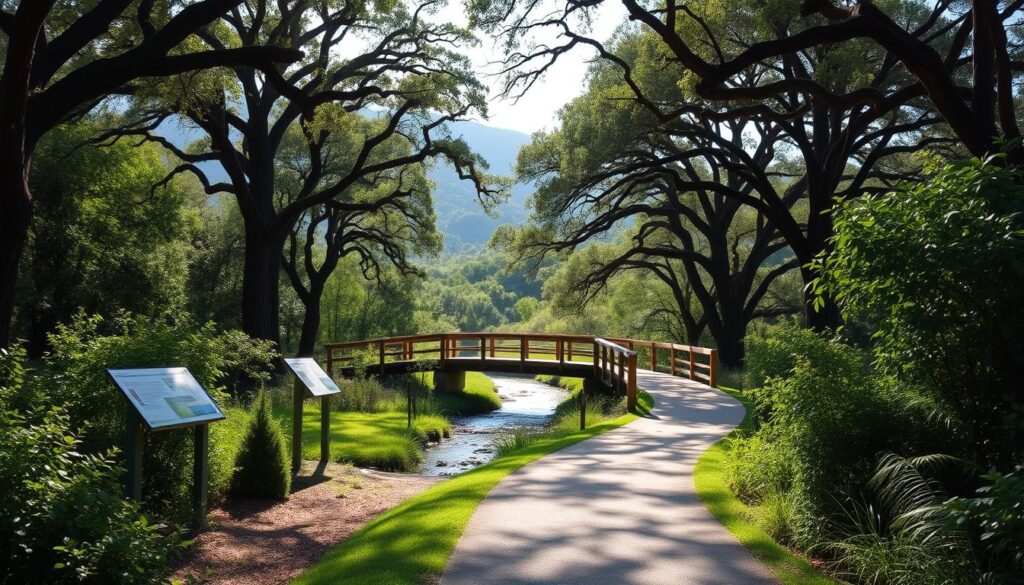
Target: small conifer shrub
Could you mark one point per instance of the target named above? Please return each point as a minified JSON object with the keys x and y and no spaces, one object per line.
{"x":261,"y":468}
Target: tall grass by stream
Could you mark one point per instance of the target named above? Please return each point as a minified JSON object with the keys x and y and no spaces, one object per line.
{"x":566,"y":419}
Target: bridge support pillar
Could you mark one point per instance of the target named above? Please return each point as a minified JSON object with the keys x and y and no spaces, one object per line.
{"x":450,"y":381}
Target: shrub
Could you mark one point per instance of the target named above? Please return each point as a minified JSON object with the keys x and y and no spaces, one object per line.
{"x":774,"y":515}
{"x":995,"y":519}
{"x":74,"y":377}
{"x":829,"y":420}
{"x":262,"y":469}
{"x":758,"y":466}
{"x":938,"y":266}
{"x":63,"y":518}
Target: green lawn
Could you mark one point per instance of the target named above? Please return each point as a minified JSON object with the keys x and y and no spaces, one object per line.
{"x":379,"y":440}
{"x":410,"y":544}
{"x":712,"y":485}
{"x":478,"y":397}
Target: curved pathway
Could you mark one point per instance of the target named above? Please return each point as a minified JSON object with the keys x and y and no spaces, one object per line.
{"x":617,"y":509}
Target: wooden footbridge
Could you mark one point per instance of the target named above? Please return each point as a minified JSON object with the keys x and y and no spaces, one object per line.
{"x":609,"y":361}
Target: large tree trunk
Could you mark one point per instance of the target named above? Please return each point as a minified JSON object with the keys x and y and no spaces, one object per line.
{"x":310,"y":321}
{"x":15,"y":218}
{"x":261,"y":286}
{"x":729,"y":338}
{"x":16,"y":152}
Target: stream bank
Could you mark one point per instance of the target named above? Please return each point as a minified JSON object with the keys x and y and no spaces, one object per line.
{"x":525,"y":403}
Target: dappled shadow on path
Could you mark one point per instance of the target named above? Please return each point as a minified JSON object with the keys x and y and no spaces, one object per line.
{"x":619,"y":508}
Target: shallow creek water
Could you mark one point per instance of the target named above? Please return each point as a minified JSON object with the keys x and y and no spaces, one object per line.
{"x":525,"y":402}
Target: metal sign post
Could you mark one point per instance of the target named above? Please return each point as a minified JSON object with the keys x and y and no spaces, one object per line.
{"x":311,"y":381}
{"x":161,"y":399}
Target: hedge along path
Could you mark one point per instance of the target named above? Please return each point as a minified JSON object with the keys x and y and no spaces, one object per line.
{"x":620,"y":508}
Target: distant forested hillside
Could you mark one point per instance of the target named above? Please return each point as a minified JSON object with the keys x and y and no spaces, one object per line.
{"x":459,"y":215}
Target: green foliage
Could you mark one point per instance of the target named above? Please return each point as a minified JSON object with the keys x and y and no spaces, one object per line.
{"x":63,"y":518}
{"x":74,"y":377}
{"x":103,"y":239}
{"x":367,"y":395}
{"x":939,"y":266}
{"x":261,"y":466}
{"x":759,"y":467}
{"x":995,"y":517}
{"x":823,"y":428}
{"x":774,"y":515}
{"x":773,"y":353}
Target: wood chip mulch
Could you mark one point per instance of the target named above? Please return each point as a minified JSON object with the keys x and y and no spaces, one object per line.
{"x":256,"y":542}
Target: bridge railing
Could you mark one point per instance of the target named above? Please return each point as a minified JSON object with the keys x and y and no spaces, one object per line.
{"x":696,"y":363}
{"x":614,"y":366}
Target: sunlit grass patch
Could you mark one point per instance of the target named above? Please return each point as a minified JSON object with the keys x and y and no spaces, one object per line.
{"x":711,"y":481}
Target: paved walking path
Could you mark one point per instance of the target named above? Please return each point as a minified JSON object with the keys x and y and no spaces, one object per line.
{"x":617,"y":509}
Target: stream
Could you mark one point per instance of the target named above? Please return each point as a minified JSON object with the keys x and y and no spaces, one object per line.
{"x":525,"y":402}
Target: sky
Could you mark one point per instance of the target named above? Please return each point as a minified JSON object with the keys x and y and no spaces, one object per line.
{"x":536,"y":110}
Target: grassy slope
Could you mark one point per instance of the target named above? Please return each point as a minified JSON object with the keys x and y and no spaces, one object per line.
{"x":712,"y":485}
{"x":571,"y":384}
{"x":478,"y":397}
{"x":411,"y":543}
{"x":382,"y":440}
{"x":379,"y":440}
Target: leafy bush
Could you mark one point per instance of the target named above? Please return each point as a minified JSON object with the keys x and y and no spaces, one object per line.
{"x":995,"y":519}
{"x":262,"y":469}
{"x":939,"y":266}
{"x":758,"y":466}
{"x":774,"y":515}
{"x":74,"y":377}
{"x":63,"y":518}
{"x":825,"y":426}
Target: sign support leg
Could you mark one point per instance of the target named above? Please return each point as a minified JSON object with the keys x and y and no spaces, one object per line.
{"x":200,"y":475}
{"x":297,"y":400}
{"x":133,"y":444}
{"x":325,"y":430}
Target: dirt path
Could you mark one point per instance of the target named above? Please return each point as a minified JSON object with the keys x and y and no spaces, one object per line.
{"x":617,"y":509}
{"x":254,"y":542}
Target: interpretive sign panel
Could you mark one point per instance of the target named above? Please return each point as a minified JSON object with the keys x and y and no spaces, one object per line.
{"x":312,"y":376}
{"x":166,"y":397}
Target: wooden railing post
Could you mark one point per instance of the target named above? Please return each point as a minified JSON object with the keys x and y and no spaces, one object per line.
{"x":330,"y":361}
{"x":672,"y":360}
{"x":569,"y":347}
{"x":493,"y":340}
{"x":693,"y":364}
{"x":522,"y":351}
{"x":382,"y":345}
{"x":654,"y":357}
{"x":714,"y":368}
{"x":483,"y":348}
{"x":620,"y":382}
{"x":631,"y":384}
{"x":526,"y":348}
{"x":597,"y":364}
{"x":582,"y":400}
{"x":442,"y":343}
